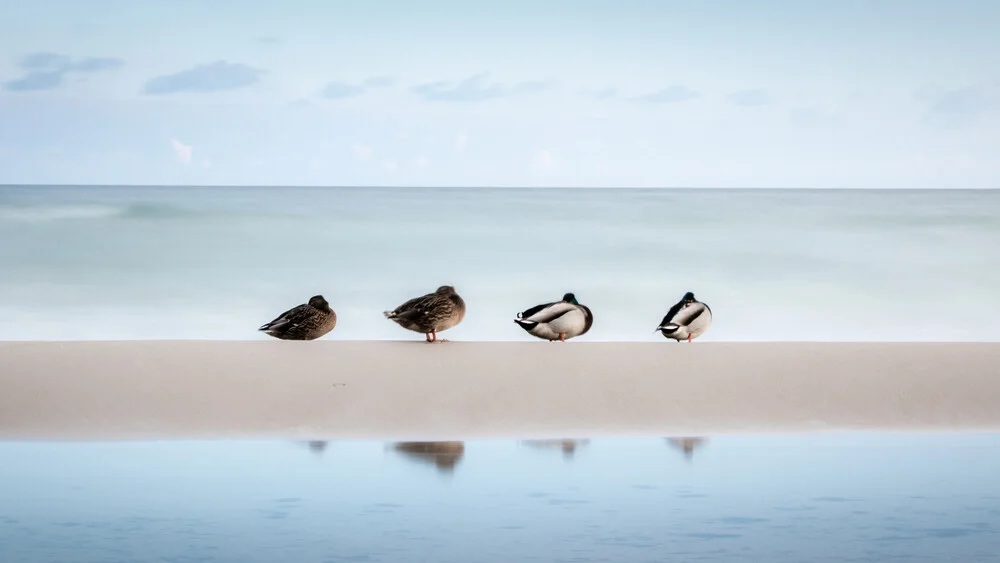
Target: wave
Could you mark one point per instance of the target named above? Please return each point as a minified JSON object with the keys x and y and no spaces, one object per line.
{"x":83,"y":212}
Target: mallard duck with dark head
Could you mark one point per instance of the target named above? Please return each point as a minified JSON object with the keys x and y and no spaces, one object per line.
{"x":431,"y":313}
{"x":308,"y":321}
{"x":686,"y":320}
{"x":559,"y":320}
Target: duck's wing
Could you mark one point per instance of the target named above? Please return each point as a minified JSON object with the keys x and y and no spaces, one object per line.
{"x":688,"y":314}
{"x":290,"y":318}
{"x":589,"y":318}
{"x":669,"y":317}
{"x":548,"y":312}
{"x":417,"y":307}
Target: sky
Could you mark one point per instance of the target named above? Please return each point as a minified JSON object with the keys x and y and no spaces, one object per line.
{"x":633,"y":93}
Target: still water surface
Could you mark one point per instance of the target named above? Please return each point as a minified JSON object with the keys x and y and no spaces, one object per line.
{"x":828,"y":497}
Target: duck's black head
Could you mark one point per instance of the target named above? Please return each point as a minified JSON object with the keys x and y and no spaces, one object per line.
{"x":318,"y":302}
{"x":570,"y":298}
{"x":445,"y":290}
{"x":688,"y":297}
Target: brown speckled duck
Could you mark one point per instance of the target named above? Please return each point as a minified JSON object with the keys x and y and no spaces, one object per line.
{"x":308,"y":321}
{"x":430,"y":313}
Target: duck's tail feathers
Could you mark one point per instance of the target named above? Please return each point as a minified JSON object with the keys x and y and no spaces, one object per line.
{"x":526,"y":324}
{"x":669,"y":328}
{"x":389,"y":314}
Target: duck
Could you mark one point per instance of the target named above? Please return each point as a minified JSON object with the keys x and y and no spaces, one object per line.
{"x":431,"y":313}
{"x":559,"y":320}
{"x":308,"y":321}
{"x":686,"y":320}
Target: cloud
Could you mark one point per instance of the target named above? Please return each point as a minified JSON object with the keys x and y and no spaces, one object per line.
{"x":599,"y":94}
{"x":476,"y":88}
{"x":421,"y":162}
{"x":212,"y":77}
{"x":340,"y":90}
{"x":673,"y":94}
{"x":45,"y":70}
{"x":35,"y":81}
{"x":755,"y":97}
{"x":961,"y":106}
{"x":812,"y":117}
{"x":389,"y":165}
{"x":184,"y":152}
{"x":461,"y":141}
{"x":361,"y":152}
{"x":379,"y":82}
{"x":543,"y":160}
{"x":269,"y":40}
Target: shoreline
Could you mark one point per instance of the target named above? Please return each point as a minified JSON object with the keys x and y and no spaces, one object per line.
{"x":413,"y":391}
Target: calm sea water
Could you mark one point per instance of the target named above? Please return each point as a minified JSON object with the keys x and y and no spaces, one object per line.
{"x":105,"y":263}
{"x":832,"y":498}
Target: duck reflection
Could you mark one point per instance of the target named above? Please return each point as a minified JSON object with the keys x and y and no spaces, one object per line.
{"x":317,"y":446}
{"x":444,"y":455}
{"x":568,"y":447}
{"x":687,"y":445}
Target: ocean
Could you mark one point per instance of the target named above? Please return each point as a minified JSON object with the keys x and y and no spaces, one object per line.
{"x":91,"y":263}
{"x":841,"y":497}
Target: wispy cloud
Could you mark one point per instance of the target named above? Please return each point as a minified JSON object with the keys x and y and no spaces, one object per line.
{"x":361,"y":151}
{"x":338,"y":90}
{"x":45,"y":70}
{"x":476,"y":88}
{"x":599,"y":94}
{"x":672,"y":94}
{"x":543,"y":160}
{"x":960,"y":106}
{"x":755,"y":97}
{"x":203,"y":78}
{"x":812,"y":117}
{"x":379,"y":82}
{"x":183,"y":152}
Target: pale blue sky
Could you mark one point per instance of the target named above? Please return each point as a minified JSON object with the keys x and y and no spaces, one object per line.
{"x":636,"y":93}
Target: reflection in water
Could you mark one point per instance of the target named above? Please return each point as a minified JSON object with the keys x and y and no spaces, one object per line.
{"x":317,"y":446}
{"x":687,"y":445}
{"x":445,"y":455}
{"x":823,"y":497}
{"x":568,"y":447}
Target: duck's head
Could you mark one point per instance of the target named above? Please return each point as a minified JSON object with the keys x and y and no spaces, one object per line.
{"x":688,"y":297}
{"x":318,"y":302}
{"x":445,"y":290}
{"x":570,"y":298}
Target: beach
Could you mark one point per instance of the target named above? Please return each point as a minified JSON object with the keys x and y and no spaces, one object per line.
{"x":411,"y":390}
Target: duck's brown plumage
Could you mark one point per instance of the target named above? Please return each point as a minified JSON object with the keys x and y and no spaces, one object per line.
{"x":308,"y":321}
{"x":430,"y":313}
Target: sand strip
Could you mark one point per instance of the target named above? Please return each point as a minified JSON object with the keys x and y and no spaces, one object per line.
{"x":469,"y":390}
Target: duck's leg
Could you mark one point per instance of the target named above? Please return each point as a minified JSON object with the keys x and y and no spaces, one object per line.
{"x":562,"y":337}
{"x":690,"y":336}
{"x":427,"y":337}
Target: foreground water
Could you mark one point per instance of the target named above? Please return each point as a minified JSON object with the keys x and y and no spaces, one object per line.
{"x":106,"y":263}
{"x":834,"y":497}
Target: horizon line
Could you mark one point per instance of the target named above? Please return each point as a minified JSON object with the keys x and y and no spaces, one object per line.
{"x":480,"y":187}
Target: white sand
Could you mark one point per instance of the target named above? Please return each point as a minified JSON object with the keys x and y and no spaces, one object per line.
{"x":460,"y":391}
